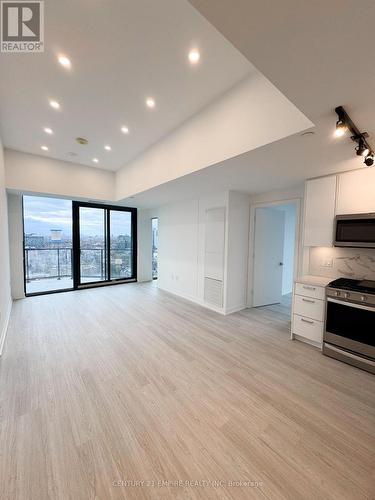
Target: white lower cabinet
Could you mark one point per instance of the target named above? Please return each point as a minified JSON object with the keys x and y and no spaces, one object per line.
{"x":309,"y":307}
{"x":309,"y":329}
{"x":308,"y":313}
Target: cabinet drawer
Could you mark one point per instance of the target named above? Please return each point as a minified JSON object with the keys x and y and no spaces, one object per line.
{"x":307,"y":306}
{"x":308,"y":328}
{"x":316,"y":292}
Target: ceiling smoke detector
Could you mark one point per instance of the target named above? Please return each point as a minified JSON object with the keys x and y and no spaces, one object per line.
{"x":82,"y":141}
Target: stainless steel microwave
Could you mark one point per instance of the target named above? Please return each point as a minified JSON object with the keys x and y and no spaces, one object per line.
{"x":356,"y":231}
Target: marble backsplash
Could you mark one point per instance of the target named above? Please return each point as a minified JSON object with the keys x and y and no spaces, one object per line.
{"x":356,"y":263}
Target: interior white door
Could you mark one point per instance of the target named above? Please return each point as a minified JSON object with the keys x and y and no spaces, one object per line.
{"x":268,"y":256}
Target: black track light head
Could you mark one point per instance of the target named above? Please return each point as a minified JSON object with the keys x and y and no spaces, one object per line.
{"x":369,"y":160}
{"x":362,"y":149}
{"x":341,"y":128}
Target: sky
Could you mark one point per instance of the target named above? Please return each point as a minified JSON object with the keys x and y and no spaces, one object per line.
{"x":43,"y":214}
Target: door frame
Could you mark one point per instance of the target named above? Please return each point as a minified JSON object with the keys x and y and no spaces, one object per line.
{"x":297,"y":246}
{"x":77,"y":247}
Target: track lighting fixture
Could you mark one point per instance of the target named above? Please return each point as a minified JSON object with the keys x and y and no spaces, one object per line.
{"x":345,"y":123}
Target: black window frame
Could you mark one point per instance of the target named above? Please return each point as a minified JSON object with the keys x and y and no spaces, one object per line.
{"x":76,"y":248}
{"x":157,"y":276}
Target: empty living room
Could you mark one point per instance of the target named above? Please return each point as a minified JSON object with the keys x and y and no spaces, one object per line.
{"x":187,"y":249}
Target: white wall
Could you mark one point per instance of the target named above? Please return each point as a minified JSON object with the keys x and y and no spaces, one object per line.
{"x":251,"y":115}
{"x":16,"y":245}
{"x":178,"y":249}
{"x":181,"y":265}
{"x":238,"y":215}
{"x":5,"y":294}
{"x":182,"y":245}
{"x":289,"y":248}
{"x":40,"y":175}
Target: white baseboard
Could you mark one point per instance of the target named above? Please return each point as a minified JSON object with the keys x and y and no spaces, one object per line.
{"x":190,"y":298}
{"x":201,"y":303}
{"x":4,"y":329}
{"x":231,"y":310}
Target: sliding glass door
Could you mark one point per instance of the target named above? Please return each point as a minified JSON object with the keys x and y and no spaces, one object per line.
{"x":93,"y":245}
{"x":104,"y":243}
{"x":121,"y":245}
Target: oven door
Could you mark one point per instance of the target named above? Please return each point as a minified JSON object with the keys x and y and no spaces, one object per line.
{"x":351,"y":326}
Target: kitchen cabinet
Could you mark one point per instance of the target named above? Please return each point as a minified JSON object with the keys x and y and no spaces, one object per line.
{"x":309,"y":309}
{"x":356,"y":192}
{"x":320,"y":200}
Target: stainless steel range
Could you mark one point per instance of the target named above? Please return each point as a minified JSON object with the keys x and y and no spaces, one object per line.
{"x":350,"y":322}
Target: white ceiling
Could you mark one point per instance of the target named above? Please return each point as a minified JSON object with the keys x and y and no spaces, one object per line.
{"x":281,"y":165}
{"x":319,"y":54}
{"x":122,"y":51}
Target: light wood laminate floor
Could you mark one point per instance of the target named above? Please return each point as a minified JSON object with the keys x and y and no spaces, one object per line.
{"x":129,"y":383}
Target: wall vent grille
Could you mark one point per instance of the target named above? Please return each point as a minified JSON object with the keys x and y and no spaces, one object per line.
{"x":213,"y":292}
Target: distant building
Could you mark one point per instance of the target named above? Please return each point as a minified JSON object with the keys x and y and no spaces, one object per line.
{"x":34,"y":241}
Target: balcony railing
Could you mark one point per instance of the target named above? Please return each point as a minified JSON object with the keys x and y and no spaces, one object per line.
{"x":44,"y":263}
{"x":57,"y":263}
{"x":154,"y":264}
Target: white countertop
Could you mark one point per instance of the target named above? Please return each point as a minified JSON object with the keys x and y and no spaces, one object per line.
{"x":314,"y":280}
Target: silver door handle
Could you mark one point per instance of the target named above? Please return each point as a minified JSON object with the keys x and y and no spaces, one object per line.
{"x":310,"y":301}
{"x":309,"y":287}
{"x":307,"y":321}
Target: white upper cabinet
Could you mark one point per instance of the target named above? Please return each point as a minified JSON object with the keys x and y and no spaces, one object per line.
{"x":356,"y":192}
{"x":320,"y":200}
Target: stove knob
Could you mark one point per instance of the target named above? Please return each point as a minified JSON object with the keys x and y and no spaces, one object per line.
{"x":346,"y":295}
{"x":337,"y":293}
{"x":363,"y":298}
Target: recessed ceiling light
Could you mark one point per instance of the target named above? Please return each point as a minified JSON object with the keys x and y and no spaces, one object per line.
{"x":95,"y":160}
{"x":107,"y":148}
{"x":48,"y":130}
{"x":194,"y":56}
{"x":44,"y":148}
{"x":124,"y":130}
{"x":54,"y":104}
{"x":150,"y":102}
{"x":64,"y":61}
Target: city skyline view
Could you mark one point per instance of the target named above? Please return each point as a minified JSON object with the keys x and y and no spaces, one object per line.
{"x":42,"y":215}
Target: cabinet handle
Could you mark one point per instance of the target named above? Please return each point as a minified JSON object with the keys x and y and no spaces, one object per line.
{"x":309,"y":287}
{"x":310,"y":301}
{"x":307,"y":321}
